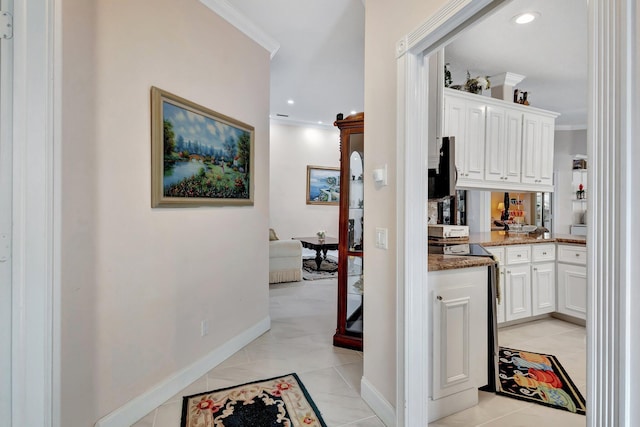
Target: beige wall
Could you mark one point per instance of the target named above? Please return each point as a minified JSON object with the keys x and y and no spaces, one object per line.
{"x":136,"y":281}
{"x":292,"y":149}
{"x":385,"y":23}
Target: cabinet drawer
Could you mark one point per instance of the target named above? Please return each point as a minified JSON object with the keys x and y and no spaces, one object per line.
{"x":518,"y":254}
{"x":572,"y":254}
{"x":543,"y":252}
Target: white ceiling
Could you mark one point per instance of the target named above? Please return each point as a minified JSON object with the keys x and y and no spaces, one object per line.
{"x":551,"y":52}
{"x":320,"y":62}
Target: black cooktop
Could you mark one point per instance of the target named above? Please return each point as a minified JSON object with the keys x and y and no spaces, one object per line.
{"x":458,"y":248}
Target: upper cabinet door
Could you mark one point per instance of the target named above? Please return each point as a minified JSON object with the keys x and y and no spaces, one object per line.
{"x":530,"y":148}
{"x":495,"y":144}
{"x":513,"y":146}
{"x":503,"y":145}
{"x":465,"y":120}
{"x":537,"y":145}
{"x":454,"y":125}
{"x":473,"y":143}
{"x":547,"y":132}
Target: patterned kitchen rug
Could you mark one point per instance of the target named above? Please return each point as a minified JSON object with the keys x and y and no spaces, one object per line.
{"x":279,"y":401}
{"x":537,"y":378}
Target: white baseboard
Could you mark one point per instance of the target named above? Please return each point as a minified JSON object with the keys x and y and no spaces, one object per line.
{"x":140,"y":406}
{"x":382,"y":408}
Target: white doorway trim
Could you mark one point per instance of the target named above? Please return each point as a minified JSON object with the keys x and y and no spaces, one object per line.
{"x":413,"y":107}
{"x":613,"y":236}
{"x":34,"y":267}
{"x":6,"y":160}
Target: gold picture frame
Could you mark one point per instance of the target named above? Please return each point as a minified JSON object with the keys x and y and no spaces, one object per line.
{"x":199,"y":157}
{"x":323,"y":185}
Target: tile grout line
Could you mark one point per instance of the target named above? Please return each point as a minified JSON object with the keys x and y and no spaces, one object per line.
{"x":529,"y":405}
{"x":335,"y":368}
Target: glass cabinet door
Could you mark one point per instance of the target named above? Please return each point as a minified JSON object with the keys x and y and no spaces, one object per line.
{"x":355,"y":280}
{"x":351,"y":234}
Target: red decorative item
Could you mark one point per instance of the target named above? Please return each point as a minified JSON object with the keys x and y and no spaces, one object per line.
{"x":580,"y":187}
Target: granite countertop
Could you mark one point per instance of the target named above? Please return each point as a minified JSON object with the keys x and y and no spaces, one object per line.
{"x":503,"y":238}
{"x":451,"y":262}
{"x":496,"y":238}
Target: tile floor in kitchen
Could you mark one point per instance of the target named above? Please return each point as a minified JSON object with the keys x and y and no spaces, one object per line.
{"x":302,"y":326}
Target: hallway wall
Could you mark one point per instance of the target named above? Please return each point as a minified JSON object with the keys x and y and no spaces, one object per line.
{"x":137,"y":281}
{"x":292,"y":149}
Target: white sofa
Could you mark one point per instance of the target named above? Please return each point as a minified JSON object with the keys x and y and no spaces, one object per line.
{"x":285,"y":261}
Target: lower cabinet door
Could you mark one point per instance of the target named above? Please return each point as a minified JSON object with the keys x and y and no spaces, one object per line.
{"x":572,"y":290}
{"x":543,"y":287}
{"x":452,"y":311}
{"x":518,"y":292}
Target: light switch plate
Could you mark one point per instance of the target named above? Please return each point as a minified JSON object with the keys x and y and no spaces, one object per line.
{"x":381,"y":238}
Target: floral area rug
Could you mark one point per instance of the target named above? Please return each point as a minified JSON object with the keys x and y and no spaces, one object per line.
{"x":281,"y":401}
{"x":328,"y":269}
{"x":538,"y":378}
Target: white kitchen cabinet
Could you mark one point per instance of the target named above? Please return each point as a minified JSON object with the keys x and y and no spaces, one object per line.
{"x":500,"y":145}
{"x":465,"y":120}
{"x":459,"y":339}
{"x":537,"y":149}
{"x":518,"y":292}
{"x":572,"y":281}
{"x":543,"y":279}
{"x":503,"y":145}
{"x":543,"y":288}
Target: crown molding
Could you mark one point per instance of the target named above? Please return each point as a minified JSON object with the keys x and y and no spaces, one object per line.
{"x":300,"y":123}
{"x":244,"y":24}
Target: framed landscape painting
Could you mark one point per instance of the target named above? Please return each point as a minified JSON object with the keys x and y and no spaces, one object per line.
{"x":198,"y":157}
{"x":323,"y":185}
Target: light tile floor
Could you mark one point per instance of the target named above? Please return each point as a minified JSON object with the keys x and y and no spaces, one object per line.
{"x":303,"y":317}
{"x":300,"y":340}
{"x":564,"y":340}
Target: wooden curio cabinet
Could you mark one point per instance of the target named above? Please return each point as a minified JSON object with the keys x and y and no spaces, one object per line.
{"x":351,"y":221}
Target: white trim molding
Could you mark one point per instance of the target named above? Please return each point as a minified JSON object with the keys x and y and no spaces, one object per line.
{"x":244,"y":24}
{"x":414,"y":355}
{"x":140,"y":406}
{"x":613,"y":251}
{"x":445,"y":25}
{"x":33,"y":251}
{"x":380,"y":406}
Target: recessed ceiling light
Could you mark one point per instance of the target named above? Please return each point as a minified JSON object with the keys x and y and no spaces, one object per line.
{"x":319,"y":122}
{"x":525,"y":18}
{"x":290,"y":102}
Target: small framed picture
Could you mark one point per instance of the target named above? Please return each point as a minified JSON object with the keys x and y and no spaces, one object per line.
{"x":323,"y":185}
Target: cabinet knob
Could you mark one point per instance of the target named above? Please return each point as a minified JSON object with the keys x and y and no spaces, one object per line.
{"x":577,"y":255}
{"x":508,"y":271}
{"x":506,"y":178}
{"x":519,"y":255}
{"x":439,"y":298}
{"x":535,"y":268}
{"x":544,"y":253}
